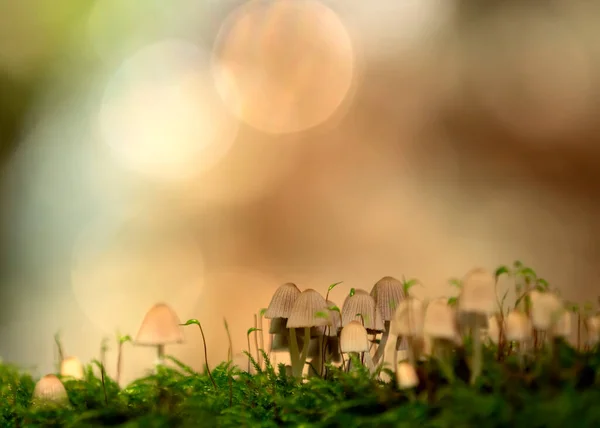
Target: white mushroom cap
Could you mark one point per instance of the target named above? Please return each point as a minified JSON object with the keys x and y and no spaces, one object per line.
{"x":517,"y":327}
{"x":478,"y":294}
{"x":388,"y":293}
{"x":562,"y":328}
{"x":593,"y":330}
{"x":306,"y":309}
{"x":408,"y":319}
{"x":354,"y":338}
{"x":72,"y":367}
{"x":50,"y":389}
{"x":546,"y":308}
{"x":406,"y":376}
{"x":440,"y":320}
{"x":161,"y":326}
{"x":363,"y":304}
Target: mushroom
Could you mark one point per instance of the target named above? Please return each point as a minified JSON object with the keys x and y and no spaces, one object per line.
{"x":592,"y":325}
{"x":362,"y":304}
{"x":160,"y":327}
{"x":50,"y":390}
{"x":493,"y":330}
{"x":279,"y":310}
{"x":407,"y":323}
{"x":518,"y":329}
{"x":309,"y":310}
{"x":439,"y":324}
{"x":546,"y":309}
{"x":476,"y":303}
{"x":354,"y":339}
{"x":72,"y":367}
{"x":406,"y":376}
{"x":388,"y":293}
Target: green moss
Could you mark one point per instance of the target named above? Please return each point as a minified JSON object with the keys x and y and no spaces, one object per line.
{"x":552,"y":391}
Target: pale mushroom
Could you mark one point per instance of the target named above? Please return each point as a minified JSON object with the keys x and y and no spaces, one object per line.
{"x":406,"y":376}
{"x":161,"y":326}
{"x":354,"y":339}
{"x":388,"y":292}
{"x":50,"y":390}
{"x":71,"y":367}
{"x":546,"y":309}
{"x":309,"y":310}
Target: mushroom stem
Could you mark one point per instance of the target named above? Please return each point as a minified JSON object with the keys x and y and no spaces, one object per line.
{"x":261,"y":338}
{"x":304,"y":354}
{"x":440,"y":351}
{"x":119,"y":362}
{"x":381,"y":348}
{"x":477,"y":350}
{"x":294,"y":353}
{"x":321,"y":362}
{"x":160,"y":353}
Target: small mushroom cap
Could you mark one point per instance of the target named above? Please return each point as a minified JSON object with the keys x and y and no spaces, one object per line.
{"x":388,"y":293}
{"x":408,"y":319}
{"x":593,"y":330}
{"x":518,"y":326}
{"x":493,"y":330}
{"x":306,"y":310}
{"x":546,"y":308}
{"x":562,"y":328}
{"x":440,"y":320}
{"x":160,"y":327}
{"x":478,"y":294}
{"x":363,"y":304}
{"x":354,"y":338}
{"x":406,"y":376}
{"x":50,"y":389}
{"x":72,"y":367}
{"x":282,"y":301}
{"x":277,"y":326}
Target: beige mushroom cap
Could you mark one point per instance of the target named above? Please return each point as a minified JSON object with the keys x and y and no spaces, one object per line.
{"x":354,"y":338}
{"x":282,"y":301}
{"x":409,"y":318}
{"x":50,"y":389}
{"x":563,"y":325}
{"x":546,"y":308}
{"x":363,"y":304}
{"x":72,"y":367}
{"x":440,"y":320}
{"x":478,"y":294}
{"x":388,"y":293}
{"x":406,"y":376}
{"x":161,"y":326}
{"x":306,"y":310}
{"x":518,"y":326}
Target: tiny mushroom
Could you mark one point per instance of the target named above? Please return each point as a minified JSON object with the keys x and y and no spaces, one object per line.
{"x":354,"y":339}
{"x":406,"y":376}
{"x":72,"y":367}
{"x":160,"y":327}
{"x":546,"y":309}
{"x":50,"y":390}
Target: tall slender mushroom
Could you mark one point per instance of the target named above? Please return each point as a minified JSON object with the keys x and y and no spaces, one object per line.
{"x":476,"y":303}
{"x":279,"y":311}
{"x":160,"y":327}
{"x":305,"y":314}
{"x":388,"y":293}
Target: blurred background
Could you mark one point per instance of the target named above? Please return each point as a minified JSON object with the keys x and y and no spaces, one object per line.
{"x":203,"y":152}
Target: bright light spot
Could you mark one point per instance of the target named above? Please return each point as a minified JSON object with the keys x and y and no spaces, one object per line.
{"x":161,"y":116}
{"x":284,"y":66}
{"x":122,"y":266}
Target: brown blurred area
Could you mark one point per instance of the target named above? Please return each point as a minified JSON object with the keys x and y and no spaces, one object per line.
{"x":418,"y":177}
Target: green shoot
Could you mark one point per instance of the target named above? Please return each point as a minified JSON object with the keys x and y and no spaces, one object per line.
{"x":196,"y":322}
